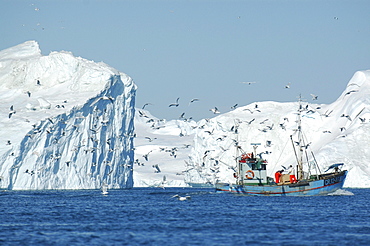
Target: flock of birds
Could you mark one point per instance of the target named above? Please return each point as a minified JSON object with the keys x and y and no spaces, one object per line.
{"x":211,"y":157}
{"x":215,"y":110}
{"x":61,"y":127}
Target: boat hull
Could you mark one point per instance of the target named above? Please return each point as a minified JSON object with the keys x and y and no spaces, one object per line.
{"x":326,"y":185}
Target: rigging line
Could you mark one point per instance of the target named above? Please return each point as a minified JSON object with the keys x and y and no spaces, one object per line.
{"x":314,"y":158}
{"x":309,"y":166}
{"x":295,"y":151}
{"x":317,"y":165}
{"x":281,"y":153}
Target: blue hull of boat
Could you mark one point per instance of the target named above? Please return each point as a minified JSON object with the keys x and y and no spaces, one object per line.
{"x":324,"y":186}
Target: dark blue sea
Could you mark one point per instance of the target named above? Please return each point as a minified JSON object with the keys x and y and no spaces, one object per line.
{"x":150,"y":216}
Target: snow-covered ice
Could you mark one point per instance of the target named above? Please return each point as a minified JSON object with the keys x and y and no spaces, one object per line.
{"x":67,"y":123}
{"x":337,"y":132}
{"x":70,"y":123}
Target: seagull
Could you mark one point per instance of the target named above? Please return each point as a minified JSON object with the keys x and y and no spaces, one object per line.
{"x":351,"y":92}
{"x":104,"y":189}
{"x":103,"y":98}
{"x":249,"y":83}
{"x":182,"y":198}
{"x":193,"y":100}
{"x":12,"y":111}
{"x":175,"y":104}
{"x":247,"y":109}
{"x":164,"y":179}
{"x":142,"y":114}
{"x":150,"y":139}
{"x":326,"y":114}
{"x":215,"y":110}
{"x":249,"y":122}
{"x":107,"y":98}
{"x":314,"y":97}
{"x":157,"y":168}
{"x":210,"y":132}
{"x":146,"y":104}
{"x":146,"y":155}
{"x":347,"y":116}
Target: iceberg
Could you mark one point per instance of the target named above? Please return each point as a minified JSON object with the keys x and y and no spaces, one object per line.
{"x":205,"y":150}
{"x":71,"y":123}
{"x":339,"y":131}
{"x":68,"y":123}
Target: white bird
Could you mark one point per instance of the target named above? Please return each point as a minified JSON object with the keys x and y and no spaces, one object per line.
{"x":102,"y":98}
{"x":347,"y":116}
{"x":147,"y":155}
{"x":104,"y":189}
{"x":287,"y":86}
{"x":146,"y":104}
{"x":215,"y":110}
{"x":175,"y":104}
{"x":157,"y":169}
{"x":150,"y":139}
{"x":181,"y":198}
{"x":249,"y":83}
{"x":314,"y":97}
{"x":164,"y":180}
{"x":193,"y":100}
{"x":11,"y":112}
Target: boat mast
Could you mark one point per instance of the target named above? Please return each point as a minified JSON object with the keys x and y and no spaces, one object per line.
{"x":300,"y":140}
{"x":239,"y":178}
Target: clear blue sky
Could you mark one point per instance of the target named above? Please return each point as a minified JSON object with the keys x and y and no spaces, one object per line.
{"x":204,"y":49}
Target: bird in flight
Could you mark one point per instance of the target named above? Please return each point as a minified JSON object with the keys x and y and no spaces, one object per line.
{"x":215,"y":110}
{"x":314,"y":97}
{"x":249,"y":83}
{"x":146,"y":104}
{"x":193,"y":100}
{"x":175,"y":104}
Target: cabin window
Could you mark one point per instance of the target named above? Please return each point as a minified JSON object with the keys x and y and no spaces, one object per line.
{"x":258,"y":166}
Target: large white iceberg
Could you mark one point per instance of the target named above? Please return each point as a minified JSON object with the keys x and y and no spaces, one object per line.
{"x":205,"y":150}
{"x":67,"y":122}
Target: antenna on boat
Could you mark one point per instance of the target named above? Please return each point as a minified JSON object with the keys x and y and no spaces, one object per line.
{"x":255,"y":146}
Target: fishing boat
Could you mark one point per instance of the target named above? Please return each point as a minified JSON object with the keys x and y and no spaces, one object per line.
{"x":297,"y":180}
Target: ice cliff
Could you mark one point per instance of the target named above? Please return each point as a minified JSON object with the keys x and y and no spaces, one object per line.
{"x":67,"y":123}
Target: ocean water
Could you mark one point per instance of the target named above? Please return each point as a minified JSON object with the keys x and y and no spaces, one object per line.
{"x":151,"y":216}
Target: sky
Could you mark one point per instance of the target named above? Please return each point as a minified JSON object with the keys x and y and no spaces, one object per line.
{"x":205,"y":49}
